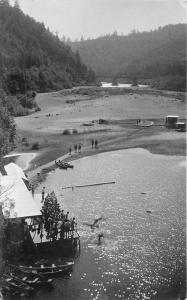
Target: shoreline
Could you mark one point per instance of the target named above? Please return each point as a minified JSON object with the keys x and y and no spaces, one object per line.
{"x":106,"y":115}
{"x":154,"y":139}
{"x":39,"y":174}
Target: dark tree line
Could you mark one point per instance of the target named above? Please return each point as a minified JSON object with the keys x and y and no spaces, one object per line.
{"x":159,"y":55}
{"x":32,"y":58}
{"x":7,"y":127}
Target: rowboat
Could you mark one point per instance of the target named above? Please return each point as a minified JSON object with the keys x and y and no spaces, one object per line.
{"x":34,"y":280}
{"x":63,"y":165}
{"x":47,"y":270}
{"x":88,"y":124}
{"x":14,"y":285}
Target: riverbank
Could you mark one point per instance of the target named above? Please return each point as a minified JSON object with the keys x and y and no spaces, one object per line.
{"x":106,"y":115}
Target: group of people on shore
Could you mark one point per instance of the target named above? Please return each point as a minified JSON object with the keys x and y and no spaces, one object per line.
{"x":94,"y":144}
{"x":77,"y":148}
{"x":138,"y":122}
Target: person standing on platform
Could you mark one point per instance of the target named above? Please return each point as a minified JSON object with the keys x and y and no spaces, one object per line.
{"x":92,"y":144}
{"x":96,"y":144}
{"x":67,"y":216}
{"x":32,"y":189}
{"x":43,"y":194}
{"x":79,"y":148}
{"x":70,"y":150}
{"x":75,"y":148}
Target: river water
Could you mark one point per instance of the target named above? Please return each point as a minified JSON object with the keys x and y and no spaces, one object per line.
{"x":142,"y":253}
{"x":120,"y":85}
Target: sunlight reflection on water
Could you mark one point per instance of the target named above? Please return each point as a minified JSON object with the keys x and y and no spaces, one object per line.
{"x":141,"y":253}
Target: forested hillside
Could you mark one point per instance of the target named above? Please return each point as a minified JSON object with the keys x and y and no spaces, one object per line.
{"x":32,"y":58}
{"x":7,"y":127}
{"x":158,"y":55}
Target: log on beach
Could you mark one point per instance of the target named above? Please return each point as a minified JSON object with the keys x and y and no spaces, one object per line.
{"x":88,"y":185}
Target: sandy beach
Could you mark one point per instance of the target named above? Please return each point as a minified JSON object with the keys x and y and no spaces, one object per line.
{"x":78,"y":111}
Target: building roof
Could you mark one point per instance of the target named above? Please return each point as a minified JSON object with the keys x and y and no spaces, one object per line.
{"x":13,"y":169}
{"x":171,"y":116}
{"x":180,"y":123}
{"x":16,"y":199}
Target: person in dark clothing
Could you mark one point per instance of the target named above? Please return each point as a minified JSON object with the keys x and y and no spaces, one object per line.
{"x":62,"y":216}
{"x":62,"y":230}
{"x":92,"y":144}
{"x":96,"y":144}
{"x":100,"y":235}
{"x":69,"y":150}
{"x":55,"y":231}
{"x":32,"y":189}
{"x":67,"y":228}
{"x":41,"y":236}
{"x":73,"y":224}
{"x":43,"y":194}
{"x":79,"y":148}
{"x":75,"y":148}
{"x":67,"y":216}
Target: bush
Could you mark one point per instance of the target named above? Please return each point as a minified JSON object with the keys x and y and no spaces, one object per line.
{"x":35,"y":146}
{"x":31,"y":94}
{"x":75,"y":131}
{"x":66,"y":132}
{"x":14,"y":107}
{"x":171,"y":83}
{"x":26,"y":144}
{"x":25,"y":141}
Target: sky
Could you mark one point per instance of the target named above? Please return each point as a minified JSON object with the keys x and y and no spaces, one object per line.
{"x":93,"y":18}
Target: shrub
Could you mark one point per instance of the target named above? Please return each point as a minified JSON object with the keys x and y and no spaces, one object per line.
{"x":31,"y":94}
{"x":35,"y":146}
{"x":66,"y":132}
{"x":25,"y":141}
{"x":75,"y":131}
{"x":171,"y":83}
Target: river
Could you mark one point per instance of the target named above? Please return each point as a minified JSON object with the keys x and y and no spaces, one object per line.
{"x":121,"y":85}
{"x":142,"y":253}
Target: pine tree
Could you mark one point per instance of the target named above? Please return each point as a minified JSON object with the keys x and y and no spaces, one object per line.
{"x":4,"y":2}
{"x":16,"y":4}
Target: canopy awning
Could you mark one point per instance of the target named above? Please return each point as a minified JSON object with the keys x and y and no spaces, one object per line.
{"x":17,"y":201}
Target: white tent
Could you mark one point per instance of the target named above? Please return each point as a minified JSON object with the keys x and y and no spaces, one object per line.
{"x":17,"y":201}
